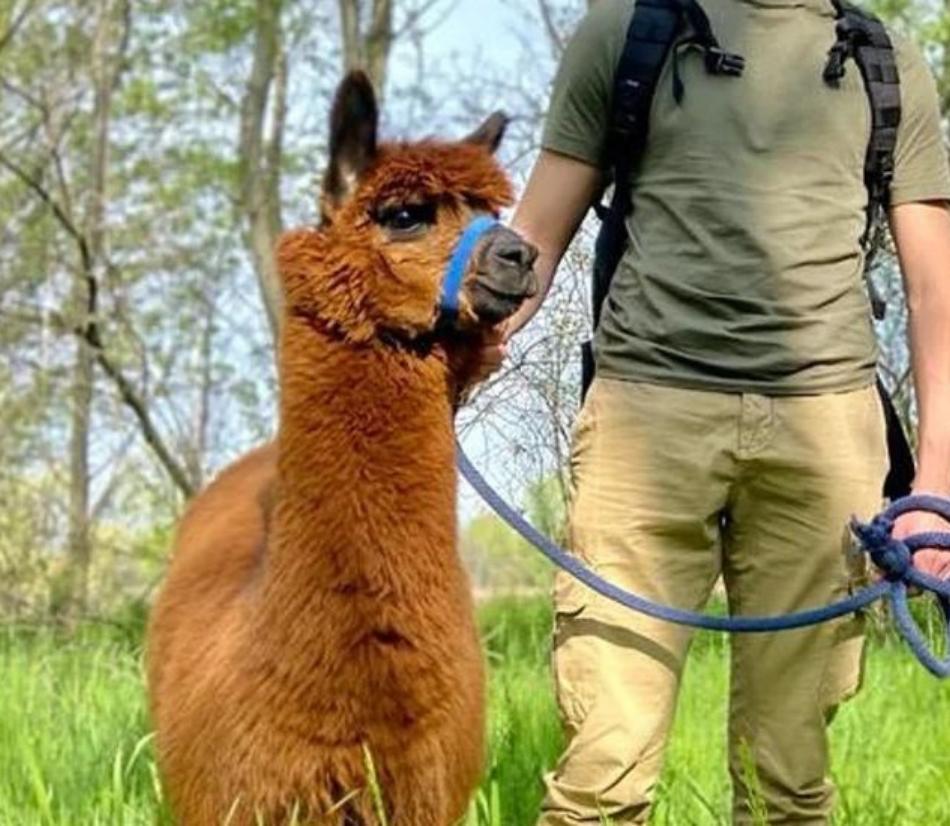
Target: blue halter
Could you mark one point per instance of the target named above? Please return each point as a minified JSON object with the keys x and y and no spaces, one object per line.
{"x":458,"y":265}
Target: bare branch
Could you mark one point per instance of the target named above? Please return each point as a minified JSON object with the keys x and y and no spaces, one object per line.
{"x":547,"y":17}
{"x":132,"y":400}
{"x":379,"y":43}
{"x":18,"y":20}
{"x":90,"y":332}
{"x":13,"y":89}
{"x":350,"y":27}
{"x":414,"y":17}
{"x":370,"y":50}
{"x":35,"y":185}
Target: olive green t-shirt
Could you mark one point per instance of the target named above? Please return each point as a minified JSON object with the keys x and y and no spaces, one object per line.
{"x":744,"y":268}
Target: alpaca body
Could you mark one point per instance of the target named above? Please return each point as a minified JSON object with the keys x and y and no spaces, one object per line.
{"x":316,"y":618}
{"x":316,"y":603}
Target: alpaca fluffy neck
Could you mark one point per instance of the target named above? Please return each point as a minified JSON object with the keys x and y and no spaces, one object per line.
{"x":364,"y":521}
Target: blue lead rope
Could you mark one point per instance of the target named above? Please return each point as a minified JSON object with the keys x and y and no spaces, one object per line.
{"x":894,"y":557}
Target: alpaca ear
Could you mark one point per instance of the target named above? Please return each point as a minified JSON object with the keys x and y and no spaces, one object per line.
{"x":353,"y":125}
{"x":490,"y":133}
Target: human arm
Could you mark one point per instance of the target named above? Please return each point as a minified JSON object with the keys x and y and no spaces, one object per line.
{"x":921,"y":233}
{"x":558,"y":194}
{"x":568,"y":173}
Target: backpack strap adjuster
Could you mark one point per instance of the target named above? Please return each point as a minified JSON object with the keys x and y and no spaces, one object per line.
{"x":721,"y":62}
{"x":626,"y":110}
{"x":834,"y":68}
{"x":849,"y":36}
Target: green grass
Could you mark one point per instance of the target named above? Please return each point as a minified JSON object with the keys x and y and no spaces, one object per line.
{"x":75,"y":748}
{"x":74,"y":742}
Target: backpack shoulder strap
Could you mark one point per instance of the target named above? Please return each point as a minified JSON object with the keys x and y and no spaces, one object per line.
{"x":651,"y":35}
{"x":863,"y":37}
{"x":653,"y":29}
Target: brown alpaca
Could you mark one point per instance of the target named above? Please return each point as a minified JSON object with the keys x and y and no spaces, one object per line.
{"x":315,"y":604}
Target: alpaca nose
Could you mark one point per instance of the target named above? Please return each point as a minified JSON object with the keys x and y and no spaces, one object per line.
{"x":514,"y":251}
{"x":502,"y":277}
{"x":507,"y":264}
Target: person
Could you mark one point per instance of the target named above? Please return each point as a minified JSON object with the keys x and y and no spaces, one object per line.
{"x":733,"y":426}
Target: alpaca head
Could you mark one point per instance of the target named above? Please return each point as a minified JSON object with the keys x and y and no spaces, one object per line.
{"x":391,"y":216}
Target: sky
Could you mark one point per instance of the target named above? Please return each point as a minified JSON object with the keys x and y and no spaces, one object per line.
{"x":477,"y":26}
{"x":463,"y":39}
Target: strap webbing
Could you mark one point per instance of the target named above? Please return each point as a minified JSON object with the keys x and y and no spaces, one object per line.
{"x":650,"y":36}
{"x":864,"y":38}
{"x":652,"y":33}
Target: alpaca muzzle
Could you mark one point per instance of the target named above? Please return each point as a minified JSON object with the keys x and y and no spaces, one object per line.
{"x":493,"y":268}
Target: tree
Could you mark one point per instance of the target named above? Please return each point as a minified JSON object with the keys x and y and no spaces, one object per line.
{"x":367,"y":37}
{"x":148,"y":151}
{"x":109,"y":42}
{"x":63,"y":189}
{"x":260,"y":151}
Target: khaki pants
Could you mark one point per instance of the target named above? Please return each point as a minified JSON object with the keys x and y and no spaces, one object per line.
{"x":673,"y":489}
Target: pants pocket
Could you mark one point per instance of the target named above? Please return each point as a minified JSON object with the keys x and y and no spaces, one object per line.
{"x":571,"y":665}
{"x":858,"y":566}
{"x":844,"y":674}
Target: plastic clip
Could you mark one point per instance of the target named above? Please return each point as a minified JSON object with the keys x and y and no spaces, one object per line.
{"x":720,"y":62}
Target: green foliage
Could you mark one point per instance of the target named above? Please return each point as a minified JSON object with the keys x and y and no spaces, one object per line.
{"x":74,"y":742}
{"x":141,"y":96}
{"x":177,"y":301}
{"x":499,"y":558}
{"x":28,"y":532}
{"x":217,"y":26}
{"x":515,"y":629}
{"x":75,"y":748}
{"x":547,"y":507}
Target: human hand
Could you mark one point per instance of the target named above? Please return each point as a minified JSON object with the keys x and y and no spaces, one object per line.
{"x":932,"y":561}
{"x":490,"y":354}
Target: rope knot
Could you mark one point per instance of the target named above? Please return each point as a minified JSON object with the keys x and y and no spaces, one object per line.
{"x":890,"y":555}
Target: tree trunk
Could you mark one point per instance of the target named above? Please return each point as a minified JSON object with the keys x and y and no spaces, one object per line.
{"x":111,"y":30}
{"x":196,"y":451}
{"x":260,"y":148}
{"x":73,"y":597}
{"x":263,"y":114}
{"x":367,"y":48}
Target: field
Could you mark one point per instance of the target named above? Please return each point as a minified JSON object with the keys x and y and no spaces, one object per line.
{"x":75,"y":748}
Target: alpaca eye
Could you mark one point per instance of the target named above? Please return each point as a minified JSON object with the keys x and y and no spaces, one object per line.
{"x":406,"y":219}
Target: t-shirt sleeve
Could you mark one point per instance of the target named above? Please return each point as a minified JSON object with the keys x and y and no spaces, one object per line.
{"x":577,"y":118}
{"x":921,"y":171}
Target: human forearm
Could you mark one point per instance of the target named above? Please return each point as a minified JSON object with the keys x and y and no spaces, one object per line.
{"x":928,"y":296}
{"x":556,"y":198}
{"x":922,"y":234}
{"x":930,"y":349}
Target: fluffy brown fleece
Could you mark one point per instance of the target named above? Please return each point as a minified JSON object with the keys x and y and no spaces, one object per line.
{"x":315,"y":609}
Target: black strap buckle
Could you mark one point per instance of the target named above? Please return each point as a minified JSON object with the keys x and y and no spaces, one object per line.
{"x":629,"y":96}
{"x":851,"y":33}
{"x":834,"y":68}
{"x":721,"y":62}
{"x":885,"y":173}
